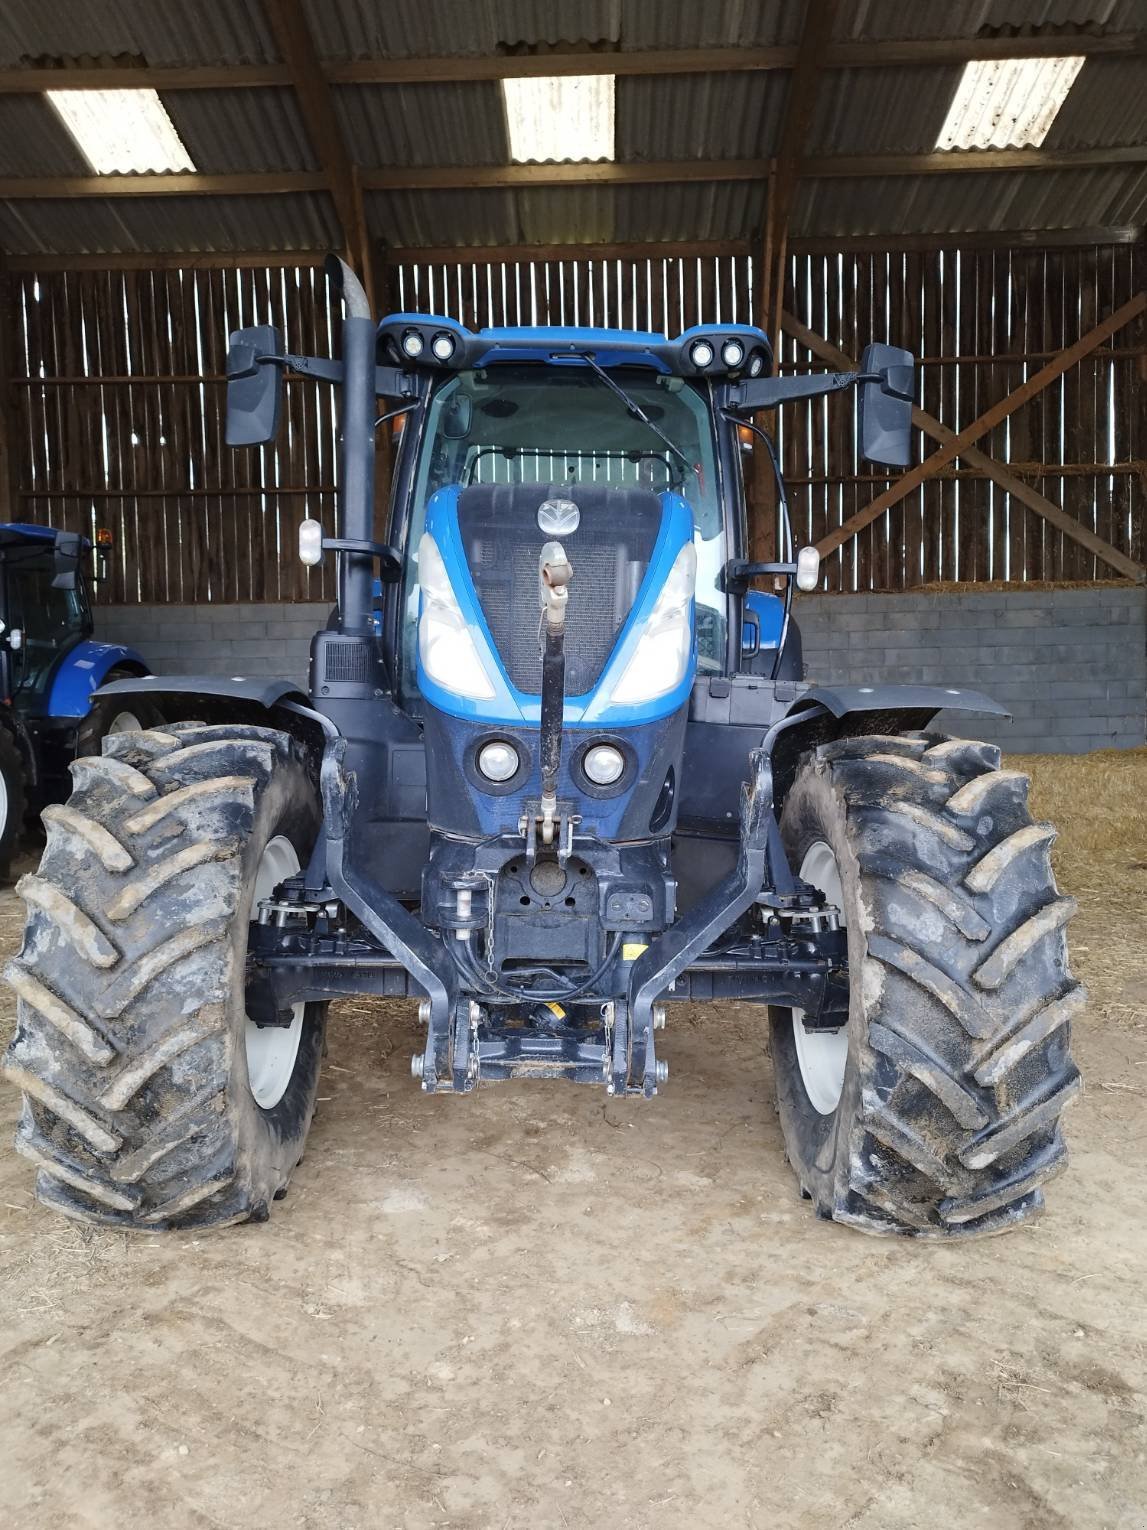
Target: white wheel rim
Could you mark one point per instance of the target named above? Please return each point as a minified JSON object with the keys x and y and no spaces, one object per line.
{"x":3,"y":804}
{"x":822,"y":1055}
{"x":272,"y":1049}
{"x":125,"y":722}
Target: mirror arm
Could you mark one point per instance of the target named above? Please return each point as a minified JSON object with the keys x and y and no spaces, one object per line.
{"x":389,"y":382}
{"x":738,"y":572}
{"x":768,"y":392}
{"x":389,"y":560}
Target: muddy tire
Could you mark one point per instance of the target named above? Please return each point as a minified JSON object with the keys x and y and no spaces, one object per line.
{"x":131,"y":1046}
{"x":114,"y":714}
{"x":13,"y":798}
{"x":954,"y":1067}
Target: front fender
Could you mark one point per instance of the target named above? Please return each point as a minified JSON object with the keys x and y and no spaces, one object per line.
{"x":81,"y":672}
{"x":842,"y":699}
{"x":263,"y":693}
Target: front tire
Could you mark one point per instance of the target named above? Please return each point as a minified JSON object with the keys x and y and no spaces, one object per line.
{"x":140,"y":1103}
{"x":939,"y":1112}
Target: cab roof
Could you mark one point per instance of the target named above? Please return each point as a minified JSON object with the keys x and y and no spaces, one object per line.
{"x":442,"y":344}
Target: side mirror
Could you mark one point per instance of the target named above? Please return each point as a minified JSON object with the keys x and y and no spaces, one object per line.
{"x":886,"y":405}
{"x":65,"y":560}
{"x":458,"y":417}
{"x":254,"y":385}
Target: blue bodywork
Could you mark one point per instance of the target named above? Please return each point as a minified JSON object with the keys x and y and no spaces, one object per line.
{"x":82,"y":670}
{"x":510,"y":707}
{"x":769,"y":611}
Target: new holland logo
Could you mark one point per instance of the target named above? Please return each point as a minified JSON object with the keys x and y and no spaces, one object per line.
{"x":558,"y":517}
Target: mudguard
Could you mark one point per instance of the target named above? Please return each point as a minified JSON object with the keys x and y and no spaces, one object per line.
{"x":80,"y":673}
{"x":264,"y":693}
{"x":842,"y":699}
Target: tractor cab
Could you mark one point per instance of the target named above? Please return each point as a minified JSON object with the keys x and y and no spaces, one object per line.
{"x":50,"y":665}
{"x":44,"y":609}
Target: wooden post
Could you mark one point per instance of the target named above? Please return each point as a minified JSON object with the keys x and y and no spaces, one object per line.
{"x":9,"y":467}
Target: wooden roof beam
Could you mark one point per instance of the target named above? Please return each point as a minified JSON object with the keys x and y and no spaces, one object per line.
{"x":800,"y":107}
{"x":640,"y":61}
{"x":296,"y":44}
{"x":592,"y":173}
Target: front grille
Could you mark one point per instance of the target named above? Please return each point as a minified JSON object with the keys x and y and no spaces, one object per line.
{"x":610,"y":553}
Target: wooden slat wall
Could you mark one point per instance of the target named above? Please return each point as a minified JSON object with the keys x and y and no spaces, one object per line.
{"x":981,"y":323}
{"x":118,"y":422}
{"x":117,"y":378}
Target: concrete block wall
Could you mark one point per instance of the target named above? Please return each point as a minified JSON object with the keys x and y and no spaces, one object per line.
{"x":1069,"y":664}
{"x":253,"y":640}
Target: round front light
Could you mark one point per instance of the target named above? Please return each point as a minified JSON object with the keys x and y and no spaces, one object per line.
{"x":603,"y":764}
{"x":498,"y":761}
{"x":732,"y":353}
{"x":756,"y":362}
{"x":413,"y":343}
{"x":701,"y":353}
{"x":443,"y":346}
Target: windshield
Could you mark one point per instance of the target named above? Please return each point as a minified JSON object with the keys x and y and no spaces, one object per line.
{"x":522,"y":423}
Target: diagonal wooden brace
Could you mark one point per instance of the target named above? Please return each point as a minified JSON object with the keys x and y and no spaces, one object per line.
{"x":961,"y":445}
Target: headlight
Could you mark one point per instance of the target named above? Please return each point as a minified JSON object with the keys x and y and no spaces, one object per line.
{"x":756,"y":364}
{"x":413,"y":343}
{"x":443,"y":346}
{"x":446,"y":645}
{"x":603,"y":764}
{"x":661,"y":658}
{"x":498,"y":761}
{"x":732,"y":353}
{"x":700,"y":353}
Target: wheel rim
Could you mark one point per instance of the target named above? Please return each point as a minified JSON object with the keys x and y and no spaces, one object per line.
{"x":125,"y":722}
{"x":3,"y":804}
{"x":822,"y":1055}
{"x":273,"y":1049}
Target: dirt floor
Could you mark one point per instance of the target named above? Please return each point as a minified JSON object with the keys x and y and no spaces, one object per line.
{"x":538,"y":1308}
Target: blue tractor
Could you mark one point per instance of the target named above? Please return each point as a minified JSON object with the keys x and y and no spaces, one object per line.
{"x":564,"y":775}
{"x":50,"y":667}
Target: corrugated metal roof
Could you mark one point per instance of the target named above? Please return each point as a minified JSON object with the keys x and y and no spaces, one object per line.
{"x":192,"y":224}
{"x":937,"y":204}
{"x":714,"y":116}
{"x":234,"y":131}
{"x":700,"y":116}
{"x":345,"y":29}
{"x":875,"y":20}
{"x":883,"y":111}
{"x":162,"y":32}
{"x":1106,"y":105}
{"x":567,"y":214}
{"x":33,"y":140}
{"x":434,"y":124}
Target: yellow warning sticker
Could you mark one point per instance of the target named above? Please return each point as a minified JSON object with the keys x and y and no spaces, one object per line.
{"x":557,"y":1010}
{"x":632,"y":949}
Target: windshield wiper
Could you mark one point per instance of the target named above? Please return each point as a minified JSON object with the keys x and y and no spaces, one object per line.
{"x":635,"y":409}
